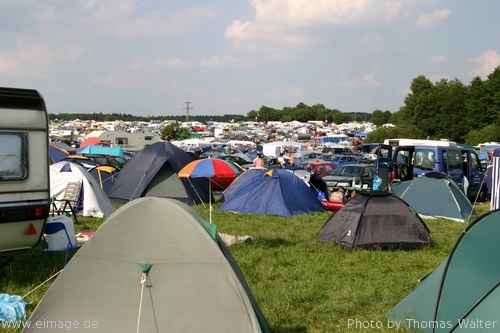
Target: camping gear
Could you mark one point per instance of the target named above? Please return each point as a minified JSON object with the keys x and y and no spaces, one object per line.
{"x":435,"y":195}
{"x":376,"y":219}
{"x":209,"y":168}
{"x":12,"y":308}
{"x":94,"y":202}
{"x":104,"y":174}
{"x":59,"y":240}
{"x":155,"y":265}
{"x":153,"y":172}
{"x":464,"y":288}
{"x":70,"y":200}
{"x":273,"y":192}
{"x":59,"y":236}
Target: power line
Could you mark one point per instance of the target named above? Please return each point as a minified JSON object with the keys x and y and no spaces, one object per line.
{"x":187,"y":108}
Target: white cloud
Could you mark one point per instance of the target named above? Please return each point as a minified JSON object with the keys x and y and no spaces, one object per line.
{"x":428,"y":20}
{"x":29,"y":59}
{"x":487,"y":62}
{"x":286,"y":21}
{"x":440,"y":59}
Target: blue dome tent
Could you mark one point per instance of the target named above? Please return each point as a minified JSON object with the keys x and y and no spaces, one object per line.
{"x":272,"y":192}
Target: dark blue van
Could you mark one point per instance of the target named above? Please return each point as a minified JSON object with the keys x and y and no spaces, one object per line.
{"x":460,"y":164}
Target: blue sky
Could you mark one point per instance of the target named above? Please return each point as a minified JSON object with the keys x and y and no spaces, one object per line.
{"x":232,"y":56}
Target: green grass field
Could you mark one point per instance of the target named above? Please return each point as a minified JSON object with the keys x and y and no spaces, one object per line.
{"x":301,"y":285}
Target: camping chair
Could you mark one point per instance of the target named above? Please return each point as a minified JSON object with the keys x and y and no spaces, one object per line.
{"x":69,"y":202}
{"x":51,"y":229}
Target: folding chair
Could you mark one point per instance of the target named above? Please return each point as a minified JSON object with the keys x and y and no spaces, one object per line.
{"x":69,"y":202}
{"x":51,"y":229}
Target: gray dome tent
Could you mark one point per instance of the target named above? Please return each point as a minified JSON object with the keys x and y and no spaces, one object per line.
{"x":152,"y":172}
{"x":435,"y":195}
{"x":376,"y":219}
{"x":191,"y":282}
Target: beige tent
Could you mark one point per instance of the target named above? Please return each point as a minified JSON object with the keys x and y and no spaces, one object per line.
{"x":153,"y":266}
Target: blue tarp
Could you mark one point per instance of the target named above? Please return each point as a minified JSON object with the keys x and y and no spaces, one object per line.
{"x":12,"y":308}
{"x":98,"y":150}
{"x":272,"y":192}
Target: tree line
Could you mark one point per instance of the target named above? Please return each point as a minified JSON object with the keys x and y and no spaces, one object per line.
{"x":448,"y":109}
{"x":104,"y":117}
{"x":444,"y":109}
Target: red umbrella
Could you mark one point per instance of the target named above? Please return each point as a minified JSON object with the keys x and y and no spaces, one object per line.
{"x":90,"y":141}
{"x":209,"y":168}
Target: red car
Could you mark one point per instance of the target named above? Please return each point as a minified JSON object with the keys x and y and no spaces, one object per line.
{"x":320,"y":168}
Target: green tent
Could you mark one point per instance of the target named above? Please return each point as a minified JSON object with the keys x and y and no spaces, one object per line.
{"x":435,"y":195}
{"x":463,"y":293}
{"x":153,"y":266}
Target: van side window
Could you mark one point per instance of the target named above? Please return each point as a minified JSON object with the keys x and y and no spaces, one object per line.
{"x":454,"y":159}
{"x":13,"y":156}
{"x":424,"y":159}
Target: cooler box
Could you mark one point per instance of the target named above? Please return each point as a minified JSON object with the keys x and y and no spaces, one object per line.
{"x":59,"y":240}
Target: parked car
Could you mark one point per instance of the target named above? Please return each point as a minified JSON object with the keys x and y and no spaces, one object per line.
{"x":320,"y":168}
{"x":239,"y":158}
{"x":351,"y":176}
{"x":306,"y":156}
{"x":340,"y":159}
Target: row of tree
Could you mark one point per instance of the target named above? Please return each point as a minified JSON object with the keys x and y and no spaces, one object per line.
{"x":448,"y":109}
{"x":105,"y":117}
{"x":445,"y":109}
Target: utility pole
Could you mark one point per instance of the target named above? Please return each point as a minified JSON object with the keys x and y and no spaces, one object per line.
{"x":188,"y":107}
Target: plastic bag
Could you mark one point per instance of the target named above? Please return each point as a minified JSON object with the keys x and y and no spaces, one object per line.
{"x":12,"y":308}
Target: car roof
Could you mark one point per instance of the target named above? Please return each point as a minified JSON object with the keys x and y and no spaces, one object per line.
{"x":361,"y":165}
{"x":318,"y":162}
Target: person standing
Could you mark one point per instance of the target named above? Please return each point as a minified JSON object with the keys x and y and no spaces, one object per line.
{"x":281,"y":161}
{"x":291,"y":159}
{"x":258,"y":162}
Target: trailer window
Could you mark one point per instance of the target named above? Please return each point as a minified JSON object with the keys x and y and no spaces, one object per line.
{"x":13,"y":156}
{"x":121,"y":141}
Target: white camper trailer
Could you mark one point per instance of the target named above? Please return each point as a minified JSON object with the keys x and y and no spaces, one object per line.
{"x":24,"y":169}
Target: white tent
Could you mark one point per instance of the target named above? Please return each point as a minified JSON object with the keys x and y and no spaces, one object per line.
{"x":95,"y":201}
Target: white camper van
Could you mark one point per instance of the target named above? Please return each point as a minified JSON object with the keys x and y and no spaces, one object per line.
{"x":24,"y":169}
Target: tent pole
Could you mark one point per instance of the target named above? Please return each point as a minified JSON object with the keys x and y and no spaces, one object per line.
{"x":210,"y":199}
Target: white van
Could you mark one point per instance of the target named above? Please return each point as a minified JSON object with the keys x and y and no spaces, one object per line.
{"x":24,"y":169}
{"x":274,"y":149}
